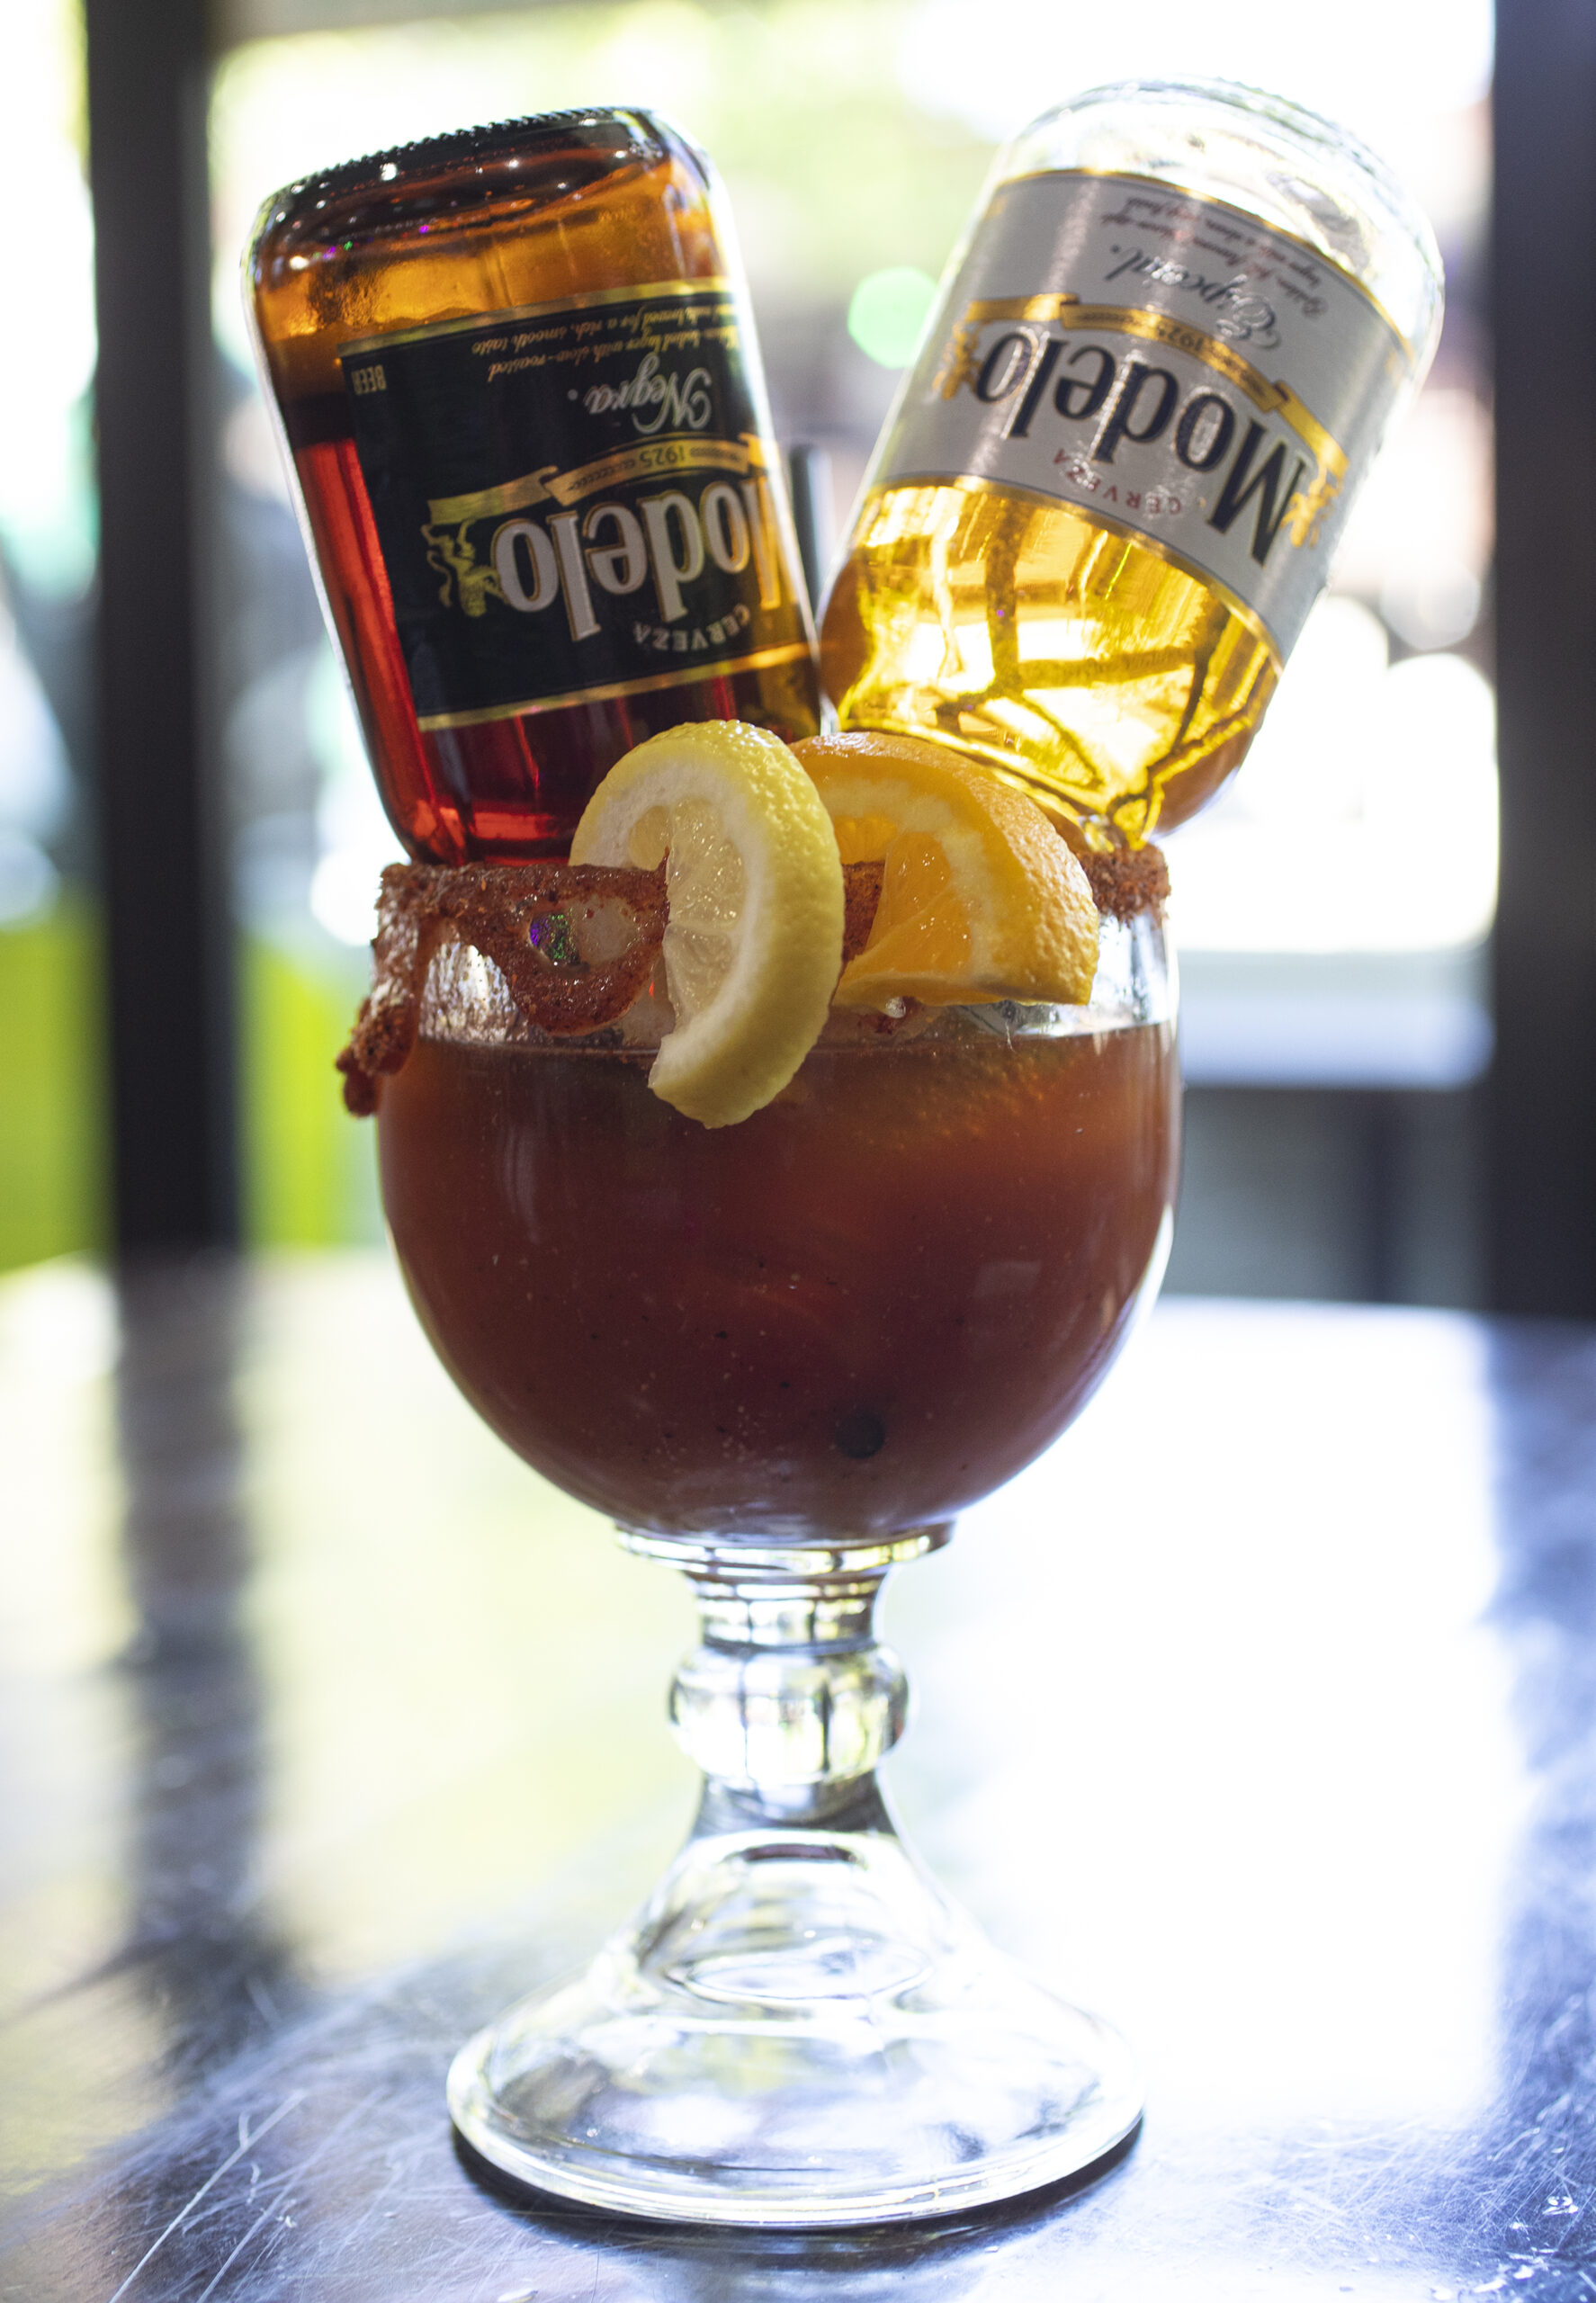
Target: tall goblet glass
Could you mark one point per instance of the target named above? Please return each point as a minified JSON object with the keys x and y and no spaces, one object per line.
{"x":782,"y":1356}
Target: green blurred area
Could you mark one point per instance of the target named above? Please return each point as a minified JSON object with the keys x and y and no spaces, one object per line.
{"x":52,"y":1174}
{"x":309,"y":1170}
{"x":308,"y":1167}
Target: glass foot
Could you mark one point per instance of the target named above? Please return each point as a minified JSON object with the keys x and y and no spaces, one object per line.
{"x":799,"y":2029}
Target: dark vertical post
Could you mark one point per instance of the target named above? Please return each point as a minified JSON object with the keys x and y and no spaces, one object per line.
{"x":1383,"y":1113}
{"x":809,"y":486}
{"x":1541,"y":1103}
{"x":162,"y":851}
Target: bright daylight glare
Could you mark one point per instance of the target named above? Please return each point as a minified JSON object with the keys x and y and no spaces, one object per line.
{"x":853,"y":138}
{"x":46,"y":500}
{"x":854,"y":134}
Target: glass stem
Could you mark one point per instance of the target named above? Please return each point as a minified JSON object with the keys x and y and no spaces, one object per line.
{"x":789,"y":1701}
{"x":798,"y":2028}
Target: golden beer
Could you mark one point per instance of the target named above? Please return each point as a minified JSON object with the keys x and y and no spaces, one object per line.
{"x":1160,"y":366}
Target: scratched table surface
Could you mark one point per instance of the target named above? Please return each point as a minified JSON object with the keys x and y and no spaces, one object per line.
{"x":1261,"y":1715}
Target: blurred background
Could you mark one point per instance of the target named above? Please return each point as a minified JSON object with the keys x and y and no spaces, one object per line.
{"x":1335,"y":910}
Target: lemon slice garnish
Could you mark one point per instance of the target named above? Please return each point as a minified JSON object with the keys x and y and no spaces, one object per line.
{"x":980,"y":899}
{"x":754,"y":884}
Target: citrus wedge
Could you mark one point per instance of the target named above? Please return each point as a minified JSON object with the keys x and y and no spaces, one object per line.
{"x":754,"y":886}
{"x":980,"y":899}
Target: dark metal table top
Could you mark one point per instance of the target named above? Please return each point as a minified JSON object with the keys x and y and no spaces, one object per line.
{"x":1261,"y":1715}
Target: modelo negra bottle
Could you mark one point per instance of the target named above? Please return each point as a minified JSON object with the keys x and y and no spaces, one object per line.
{"x":1158,"y":368}
{"x":523,"y":405}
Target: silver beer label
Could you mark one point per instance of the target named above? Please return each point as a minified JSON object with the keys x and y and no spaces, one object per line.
{"x":1170,"y":365}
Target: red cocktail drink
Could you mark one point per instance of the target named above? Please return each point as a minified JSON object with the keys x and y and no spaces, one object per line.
{"x":783,"y":1342}
{"x":858,"y":1310}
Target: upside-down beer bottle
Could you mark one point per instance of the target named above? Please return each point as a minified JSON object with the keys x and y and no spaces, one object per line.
{"x":527,"y":427}
{"x":1157,"y":369}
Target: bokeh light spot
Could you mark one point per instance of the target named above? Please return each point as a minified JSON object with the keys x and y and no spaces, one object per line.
{"x":887,"y":312}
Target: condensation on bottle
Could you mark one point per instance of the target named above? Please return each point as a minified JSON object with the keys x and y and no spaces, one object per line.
{"x":1159,"y":367}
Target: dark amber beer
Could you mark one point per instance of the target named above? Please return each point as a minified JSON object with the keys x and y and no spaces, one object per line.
{"x":523,"y":405}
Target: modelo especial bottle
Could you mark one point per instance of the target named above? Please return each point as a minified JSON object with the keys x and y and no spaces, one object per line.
{"x":522,"y":403}
{"x":1158,"y":368}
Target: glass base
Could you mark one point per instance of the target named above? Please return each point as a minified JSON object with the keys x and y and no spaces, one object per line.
{"x":799,"y":2029}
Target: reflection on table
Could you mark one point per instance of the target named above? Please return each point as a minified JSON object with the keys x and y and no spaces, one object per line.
{"x":1256,"y":1714}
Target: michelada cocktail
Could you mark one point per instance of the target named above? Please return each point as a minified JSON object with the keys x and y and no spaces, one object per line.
{"x":778,"y":1132}
{"x":780,"y":1176}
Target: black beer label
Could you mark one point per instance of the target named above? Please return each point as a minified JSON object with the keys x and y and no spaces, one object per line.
{"x":574,"y":501}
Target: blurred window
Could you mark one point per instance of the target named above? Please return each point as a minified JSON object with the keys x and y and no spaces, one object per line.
{"x":1333,"y":906}
{"x":52,"y":1166}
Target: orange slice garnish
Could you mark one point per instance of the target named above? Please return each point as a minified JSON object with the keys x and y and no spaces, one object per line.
{"x":980,"y":899}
